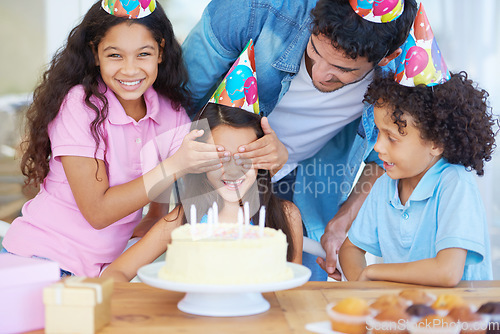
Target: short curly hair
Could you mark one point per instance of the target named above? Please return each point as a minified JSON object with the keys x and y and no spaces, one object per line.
{"x":454,"y":115}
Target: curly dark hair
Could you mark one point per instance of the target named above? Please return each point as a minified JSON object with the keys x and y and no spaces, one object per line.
{"x":455,"y":115}
{"x":357,"y":37}
{"x":74,"y":64}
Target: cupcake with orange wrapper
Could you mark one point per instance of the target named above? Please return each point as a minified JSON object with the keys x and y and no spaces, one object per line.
{"x":434,"y":324}
{"x":388,"y":300}
{"x":391,"y":320}
{"x":349,"y":315}
{"x":444,"y":303}
{"x":470,"y":322}
{"x":417,"y":296}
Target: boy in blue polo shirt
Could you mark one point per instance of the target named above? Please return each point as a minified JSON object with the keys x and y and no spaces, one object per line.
{"x":425,"y":216}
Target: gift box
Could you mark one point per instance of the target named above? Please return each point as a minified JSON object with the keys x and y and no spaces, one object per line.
{"x":21,"y":289}
{"x":77,"y":305}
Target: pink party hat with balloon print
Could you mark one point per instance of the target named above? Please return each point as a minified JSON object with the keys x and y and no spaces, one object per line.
{"x":239,"y":87}
{"x":378,"y":11}
{"x":133,"y":9}
{"x":421,"y":62}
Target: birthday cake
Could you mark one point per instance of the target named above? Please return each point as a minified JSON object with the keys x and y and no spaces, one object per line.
{"x":226,"y":254}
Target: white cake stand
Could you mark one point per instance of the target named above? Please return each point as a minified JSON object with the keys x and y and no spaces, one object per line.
{"x":223,"y":300}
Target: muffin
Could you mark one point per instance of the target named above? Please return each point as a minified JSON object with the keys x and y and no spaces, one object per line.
{"x":491,"y":309}
{"x":417,"y":296}
{"x":391,"y":320}
{"x":447,"y":302}
{"x":386,"y":301}
{"x":434,"y":324}
{"x":420,"y":310}
{"x":493,"y":327}
{"x":469,"y":322}
{"x":349,"y":315}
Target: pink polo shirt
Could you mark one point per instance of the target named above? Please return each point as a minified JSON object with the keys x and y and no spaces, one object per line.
{"x":51,"y":225}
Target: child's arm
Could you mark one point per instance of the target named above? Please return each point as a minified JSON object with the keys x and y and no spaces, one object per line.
{"x":102,"y":205}
{"x":446,"y":270}
{"x":146,"y":250}
{"x":352,"y":260}
{"x":295,"y":221}
{"x":155,"y":212}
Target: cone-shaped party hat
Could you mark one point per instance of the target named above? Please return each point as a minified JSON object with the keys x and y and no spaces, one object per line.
{"x":133,"y":9}
{"x":378,"y":11}
{"x":239,"y":87}
{"x":421,"y":61}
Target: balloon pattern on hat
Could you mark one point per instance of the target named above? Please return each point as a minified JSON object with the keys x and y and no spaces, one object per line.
{"x":239,"y":86}
{"x":378,"y":11}
{"x":421,"y":62}
{"x":132,"y":9}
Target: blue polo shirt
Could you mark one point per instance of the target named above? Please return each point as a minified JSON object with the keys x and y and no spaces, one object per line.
{"x":444,"y":211}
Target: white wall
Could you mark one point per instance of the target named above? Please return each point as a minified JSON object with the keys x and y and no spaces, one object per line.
{"x":468,"y":35}
{"x":63,"y":15}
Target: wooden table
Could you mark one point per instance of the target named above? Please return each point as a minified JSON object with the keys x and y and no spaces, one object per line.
{"x":139,"y":308}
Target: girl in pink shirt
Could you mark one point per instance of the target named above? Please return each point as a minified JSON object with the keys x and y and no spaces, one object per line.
{"x":106,"y":135}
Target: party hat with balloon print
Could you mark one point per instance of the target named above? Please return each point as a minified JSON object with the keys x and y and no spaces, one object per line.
{"x":239,"y":87}
{"x":378,"y":11}
{"x":133,"y":9}
{"x":421,"y":61}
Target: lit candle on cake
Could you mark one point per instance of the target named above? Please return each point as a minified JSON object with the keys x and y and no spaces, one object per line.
{"x":246,"y":212}
{"x":240,"y":223}
{"x":262,"y":220}
{"x":193,"y":219}
{"x":216,"y":214}
{"x":210,"y":221}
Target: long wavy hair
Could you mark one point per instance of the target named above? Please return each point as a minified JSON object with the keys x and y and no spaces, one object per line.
{"x":198,"y":191}
{"x":74,"y":64}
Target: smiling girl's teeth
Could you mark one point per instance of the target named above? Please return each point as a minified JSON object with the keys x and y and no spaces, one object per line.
{"x":129,"y":83}
{"x":232,"y":182}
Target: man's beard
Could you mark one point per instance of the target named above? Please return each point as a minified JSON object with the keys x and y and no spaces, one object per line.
{"x":321,"y":89}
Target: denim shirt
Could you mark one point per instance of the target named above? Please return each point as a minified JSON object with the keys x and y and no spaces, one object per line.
{"x":280,"y":30}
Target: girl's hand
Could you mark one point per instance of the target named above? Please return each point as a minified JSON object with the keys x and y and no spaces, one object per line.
{"x":198,"y":157}
{"x":267,"y":152}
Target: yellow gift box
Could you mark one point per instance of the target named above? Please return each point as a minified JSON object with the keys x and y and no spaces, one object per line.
{"x":77,"y":305}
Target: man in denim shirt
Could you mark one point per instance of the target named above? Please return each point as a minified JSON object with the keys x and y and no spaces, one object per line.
{"x":314,"y":60}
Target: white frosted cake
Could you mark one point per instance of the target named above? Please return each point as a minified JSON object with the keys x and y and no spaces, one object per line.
{"x":226,"y":254}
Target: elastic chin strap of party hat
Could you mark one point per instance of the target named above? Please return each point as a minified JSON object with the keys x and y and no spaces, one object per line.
{"x":378,"y":11}
{"x":132,"y":9}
